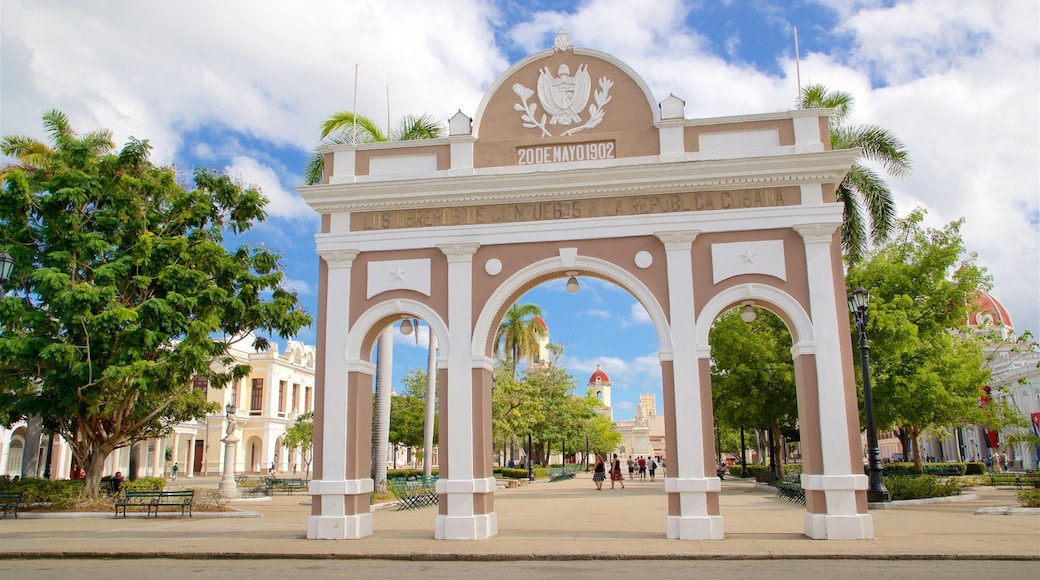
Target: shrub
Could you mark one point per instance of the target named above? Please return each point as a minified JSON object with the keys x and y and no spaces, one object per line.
{"x":145,"y":484}
{"x":514,"y":473}
{"x":1029,"y":497}
{"x":391,"y":473}
{"x":54,"y":493}
{"x":208,"y":500}
{"x":920,"y":486}
{"x":975,"y":468}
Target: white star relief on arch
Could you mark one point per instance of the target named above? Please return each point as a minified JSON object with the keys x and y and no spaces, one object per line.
{"x":398,"y":274}
{"x":748,"y":257}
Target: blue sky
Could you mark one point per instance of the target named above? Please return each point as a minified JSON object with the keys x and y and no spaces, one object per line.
{"x":242,"y":85}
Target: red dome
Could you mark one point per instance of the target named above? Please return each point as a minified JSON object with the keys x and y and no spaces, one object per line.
{"x":985,"y":312}
{"x":541,"y":323}
{"x":599,"y":374}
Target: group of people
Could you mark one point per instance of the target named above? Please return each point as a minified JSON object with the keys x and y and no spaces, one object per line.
{"x":643,"y":465}
{"x":599,"y":472}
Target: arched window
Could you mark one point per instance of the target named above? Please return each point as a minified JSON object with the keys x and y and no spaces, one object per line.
{"x":14,"y":457}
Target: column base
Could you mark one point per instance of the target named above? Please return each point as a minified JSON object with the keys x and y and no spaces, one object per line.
{"x":339,"y":527}
{"x":475,"y":527}
{"x":694,"y":527}
{"x":839,"y":527}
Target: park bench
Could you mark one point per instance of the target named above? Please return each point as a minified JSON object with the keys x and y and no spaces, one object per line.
{"x":1018,"y":480}
{"x":9,"y":501}
{"x":790,"y":492}
{"x":288,"y":485}
{"x":414,"y":493}
{"x":559,"y":473}
{"x":156,"y":499}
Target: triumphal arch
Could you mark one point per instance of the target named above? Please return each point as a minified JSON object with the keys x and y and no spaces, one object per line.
{"x":571,"y":167}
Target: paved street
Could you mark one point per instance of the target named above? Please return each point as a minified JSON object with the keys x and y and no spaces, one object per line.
{"x":514,"y":570}
{"x":566,"y":520}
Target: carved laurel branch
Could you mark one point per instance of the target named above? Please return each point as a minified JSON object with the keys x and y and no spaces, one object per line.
{"x":596,"y":113}
{"x":529,"y":110}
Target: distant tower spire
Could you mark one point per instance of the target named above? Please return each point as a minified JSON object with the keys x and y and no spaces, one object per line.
{"x":599,"y":383}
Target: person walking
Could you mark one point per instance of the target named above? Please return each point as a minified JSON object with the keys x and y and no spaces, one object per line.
{"x":631,"y":468}
{"x":174,"y":471}
{"x":615,"y":473}
{"x":652,"y":466}
{"x":642,"y":467}
{"x":599,"y":473}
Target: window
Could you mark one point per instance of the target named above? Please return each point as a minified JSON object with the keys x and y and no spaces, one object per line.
{"x":307,"y":401}
{"x":202,"y":384}
{"x":256,"y":406}
{"x":296,"y":397}
{"x":282,"y":387}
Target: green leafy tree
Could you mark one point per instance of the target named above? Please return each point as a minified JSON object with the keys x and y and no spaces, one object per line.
{"x":924,"y":376}
{"x":517,"y":335}
{"x":752,"y":374}
{"x":408,"y":411}
{"x":123,"y":291}
{"x":347,"y":127}
{"x":865,"y":195}
{"x":300,"y":436}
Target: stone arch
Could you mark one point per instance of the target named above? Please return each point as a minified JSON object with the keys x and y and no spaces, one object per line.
{"x":790,"y":310}
{"x":484,"y":328}
{"x":369,"y":324}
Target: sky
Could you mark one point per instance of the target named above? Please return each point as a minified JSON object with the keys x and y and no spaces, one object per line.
{"x":242,"y":85}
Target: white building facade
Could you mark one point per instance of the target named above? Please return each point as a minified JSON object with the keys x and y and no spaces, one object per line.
{"x":280,"y":387}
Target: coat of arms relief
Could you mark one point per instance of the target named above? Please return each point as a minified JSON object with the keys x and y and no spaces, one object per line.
{"x":563,"y":98}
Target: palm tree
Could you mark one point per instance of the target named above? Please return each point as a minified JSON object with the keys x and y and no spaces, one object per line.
{"x":516,"y":336}
{"x":862,"y":186}
{"x":348,"y":127}
{"x":35,"y":155}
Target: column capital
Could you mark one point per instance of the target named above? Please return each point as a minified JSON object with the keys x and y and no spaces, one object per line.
{"x":459,"y":252}
{"x":680,"y":240}
{"x":816,"y":233}
{"x":339,"y":258}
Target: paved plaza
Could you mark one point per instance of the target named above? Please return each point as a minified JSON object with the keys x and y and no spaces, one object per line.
{"x":553,"y":521}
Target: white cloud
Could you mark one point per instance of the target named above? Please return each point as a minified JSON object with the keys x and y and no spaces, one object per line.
{"x":639,"y":315}
{"x":301,"y":287}
{"x":284,"y":203}
{"x":268,"y":69}
{"x":957,"y":81}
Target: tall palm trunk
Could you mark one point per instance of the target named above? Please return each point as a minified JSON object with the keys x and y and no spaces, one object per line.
{"x":381,"y":431}
{"x":431,"y":400}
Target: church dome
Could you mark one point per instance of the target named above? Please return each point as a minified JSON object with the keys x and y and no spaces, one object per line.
{"x":987,"y":313}
{"x":537,"y":320}
{"x":599,"y":374}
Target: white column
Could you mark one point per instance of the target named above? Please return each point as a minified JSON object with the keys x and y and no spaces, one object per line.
{"x":461,"y":522}
{"x":189,"y":467}
{"x":333,"y":523}
{"x":688,"y":478}
{"x":838,"y":482}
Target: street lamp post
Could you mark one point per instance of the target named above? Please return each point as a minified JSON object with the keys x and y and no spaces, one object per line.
{"x":586,"y":452}
{"x":743,"y":455}
{"x":859,"y":301}
{"x":530,"y":466}
{"x":227,"y":486}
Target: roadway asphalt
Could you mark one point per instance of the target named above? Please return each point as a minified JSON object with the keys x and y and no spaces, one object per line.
{"x":565,"y":520}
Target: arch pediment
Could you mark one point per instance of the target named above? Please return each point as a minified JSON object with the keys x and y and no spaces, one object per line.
{"x":565,"y":105}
